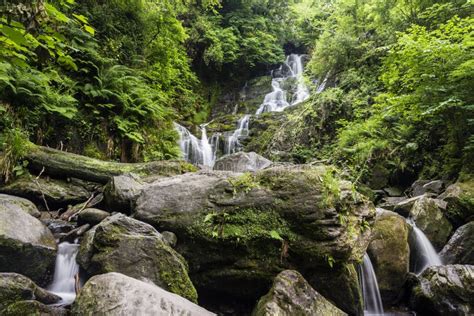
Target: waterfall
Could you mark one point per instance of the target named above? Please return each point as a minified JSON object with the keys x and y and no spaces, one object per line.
{"x":194,"y":150}
{"x":276,"y":101}
{"x":232,"y":143}
{"x":424,"y":255}
{"x":65,"y":272}
{"x":370,"y":288}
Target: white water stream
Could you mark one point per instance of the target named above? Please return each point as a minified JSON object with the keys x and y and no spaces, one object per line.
{"x":65,"y":273}
{"x":370,"y":288}
{"x":425,"y":254}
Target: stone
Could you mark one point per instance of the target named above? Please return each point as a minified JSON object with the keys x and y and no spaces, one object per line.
{"x":428,"y":215}
{"x":436,"y":187}
{"x":16,"y":288}
{"x":404,"y":207}
{"x":292,"y":295}
{"x":417,"y":187}
{"x":460,"y":248}
{"x":393,"y":191}
{"x":170,"y":238}
{"x":92,"y":216}
{"x":379,"y":177}
{"x":444,"y":291}
{"x":126,"y":245}
{"x":242,"y":162}
{"x":460,"y":202}
{"x":390,"y":254}
{"x":121,"y":193}
{"x":31,"y":307}
{"x":390,"y":202}
{"x":124,"y":295}
{"x":18,"y":203}
{"x":26,"y":245}
{"x":246,"y":223}
{"x":58,"y":193}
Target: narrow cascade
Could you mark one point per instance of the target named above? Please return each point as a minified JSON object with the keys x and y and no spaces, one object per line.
{"x":425,"y":254}
{"x":65,"y":272}
{"x":277,"y":100}
{"x":233,"y":142}
{"x":370,"y":288}
{"x":194,"y":150}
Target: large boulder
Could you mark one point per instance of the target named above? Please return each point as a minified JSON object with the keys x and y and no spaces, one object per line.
{"x":26,"y":245}
{"x":390,"y":254}
{"x":445,"y":290}
{"x":460,"y":248}
{"x":429,"y":216}
{"x":292,"y":295}
{"x":123,"y":244}
{"x":253,"y":226}
{"x":404,"y":207}
{"x":18,"y":204}
{"x":460,"y":202}
{"x":121,"y":192}
{"x":92,"y":216}
{"x":242,"y":162}
{"x":117,"y":294}
{"x":16,"y":288}
{"x":421,"y":187}
{"x":55,"y":192}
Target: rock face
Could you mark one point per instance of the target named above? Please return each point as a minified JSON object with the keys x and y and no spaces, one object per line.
{"x":460,"y":248}
{"x":125,"y":245}
{"x":429,"y":216}
{"x":390,"y":253}
{"x":460,"y":202}
{"x":26,"y":245}
{"x":242,"y":162}
{"x":117,"y":294}
{"x":15,"y":288}
{"x":253,"y":226}
{"x":292,"y":295}
{"x":56,"y":192}
{"x":18,"y":204}
{"x":445,"y":290}
{"x":121,"y":193}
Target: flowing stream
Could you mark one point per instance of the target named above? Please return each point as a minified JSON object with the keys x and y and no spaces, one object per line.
{"x":425,"y":255}
{"x":196,"y":151}
{"x":233,"y":144}
{"x":65,"y":272}
{"x":370,"y":288}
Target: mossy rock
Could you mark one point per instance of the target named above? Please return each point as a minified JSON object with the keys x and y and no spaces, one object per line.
{"x":18,"y":203}
{"x":460,"y":201}
{"x":253,"y":226}
{"x":125,"y":245}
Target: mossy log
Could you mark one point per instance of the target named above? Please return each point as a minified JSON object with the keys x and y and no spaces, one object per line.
{"x":63,"y":164}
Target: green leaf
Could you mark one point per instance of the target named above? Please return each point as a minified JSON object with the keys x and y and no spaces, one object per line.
{"x":275,"y":235}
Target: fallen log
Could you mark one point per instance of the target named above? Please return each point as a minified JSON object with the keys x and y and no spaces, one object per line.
{"x":63,"y":164}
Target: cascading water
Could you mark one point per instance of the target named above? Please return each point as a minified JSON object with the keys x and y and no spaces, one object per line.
{"x":276,"y":101}
{"x":65,"y":273}
{"x":233,"y":141}
{"x":425,"y":255}
{"x":194,"y":150}
{"x":370,"y":288}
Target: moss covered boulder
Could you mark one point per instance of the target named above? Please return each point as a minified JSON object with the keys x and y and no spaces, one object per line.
{"x":19,"y":204}
{"x":15,"y":289}
{"x":390,"y":254}
{"x":121,"y":192}
{"x":27,"y":246}
{"x":238,"y":231}
{"x":429,"y":216}
{"x":445,"y":290}
{"x":292,"y":295}
{"x":118,"y":294}
{"x":123,"y":244}
{"x":460,"y":248}
{"x":460,"y":202}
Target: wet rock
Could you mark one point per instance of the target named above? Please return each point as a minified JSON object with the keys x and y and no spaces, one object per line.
{"x":92,"y":216}
{"x":26,"y":245}
{"x":127,"y":296}
{"x":390,"y":254}
{"x":57,"y":193}
{"x":242,"y":162}
{"x":460,"y":202}
{"x":121,"y":193}
{"x":253,"y":226}
{"x":444,"y":291}
{"x":18,"y":203}
{"x":123,"y":244}
{"x":460,"y":248}
{"x":15,"y":288}
{"x":429,"y":216}
{"x":292,"y":295}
